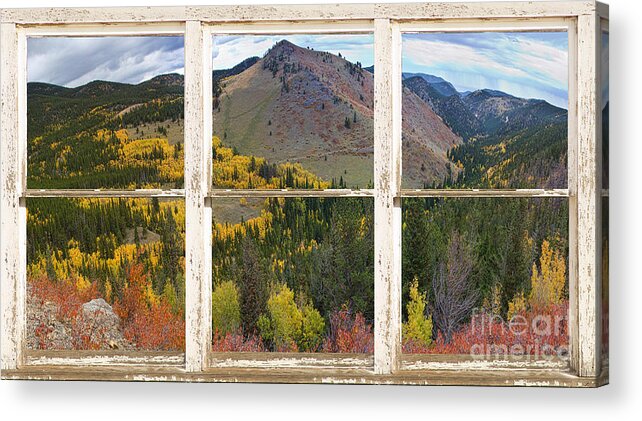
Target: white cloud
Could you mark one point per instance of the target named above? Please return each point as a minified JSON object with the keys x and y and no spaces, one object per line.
{"x":75,"y":61}
{"x":520,"y":64}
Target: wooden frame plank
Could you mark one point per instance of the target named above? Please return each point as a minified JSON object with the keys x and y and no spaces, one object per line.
{"x":387,"y":144}
{"x":501,"y":24}
{"x":354,"y":26}
{"x":291,"y":193}
{"x":198,"y":215}
{"x":12,"y":210}
{"x":604,"y":316}
{"x":588,"y":197}
{"x":490,"y":377}
{"x":103,"y":358}
{"x":101,"y":193}
{"x":249,"y":13}
{"x":572,"y":202}
{"x":290,"y":360}
{"x":484,"y":193}
{"x":582,"y":190}
{"x":103,"y":30}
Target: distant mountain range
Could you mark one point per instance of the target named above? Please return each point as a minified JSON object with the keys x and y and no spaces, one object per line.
{"x":300,"y":105}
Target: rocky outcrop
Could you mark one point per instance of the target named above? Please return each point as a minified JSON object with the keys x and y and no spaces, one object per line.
{"x":95,"y":326}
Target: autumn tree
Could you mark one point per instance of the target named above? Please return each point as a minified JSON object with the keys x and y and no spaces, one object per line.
{"x":547,"y":283}
{"x":290,"y":327}
{"x":455,"y":295}
{"x":226,"y":310}
{"x":418,"y":328}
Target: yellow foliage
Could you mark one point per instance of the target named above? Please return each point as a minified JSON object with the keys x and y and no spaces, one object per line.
{"x":418,"y":328}
{"x":82,"y":284}
{"x":547,"y":283}
{"x":108,"y":291}
{"x":516,"y":305}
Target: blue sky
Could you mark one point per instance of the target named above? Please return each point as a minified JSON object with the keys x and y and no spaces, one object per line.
{"x":528,"y":65}
{"x":229,"y":50}
{"x":73,"y":62}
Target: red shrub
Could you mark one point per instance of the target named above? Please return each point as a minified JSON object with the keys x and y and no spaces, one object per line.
{"x":543,"y":332}
{"x":148,"y":326}
{"x":348,"y":334}
{"x":237,"y":342}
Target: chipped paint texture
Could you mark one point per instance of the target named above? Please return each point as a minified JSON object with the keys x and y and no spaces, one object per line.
{"x":11,"y":285}
{"x":198,"y":216}
{"x":387,"y":210}
{"x":572,"y":201}
{"x":245,"y":13}
{"x":588,"y":189}
{"x":284,"y":362}
{"x":387,"y":366}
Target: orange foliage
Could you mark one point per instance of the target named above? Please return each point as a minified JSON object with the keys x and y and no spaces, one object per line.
{"x":149,"y":325}
{"x":348,"y":334}
{"x":541,"y":332}
{"x":237,"y":342}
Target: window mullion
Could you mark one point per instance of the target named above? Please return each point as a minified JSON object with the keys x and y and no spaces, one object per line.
{"x":198,"y":283}
{"x":387,"y":146}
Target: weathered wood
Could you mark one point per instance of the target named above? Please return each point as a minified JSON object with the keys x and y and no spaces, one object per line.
{"x":354,"y":26}
{"x":544,"y":24}
{"x":103,"y":193}
{"x":249,"y":13}
{"x":484,"y":193}
{"x":588,"y":197}
{"x":483,"y":10}
{"x":291,"y":193}
{"x":526,"y":377}
{"x":387,"y":145}
{"x":103,"y":358}
{"x":602,"y":10}
{"x":106,"y":29}
{"x":290,"y":360}
{"x":12,"y":212}
{"x":387,"y":365}
{"x":198,"y":216}
{"x":466,"y":363}
{"x":573,"y":327}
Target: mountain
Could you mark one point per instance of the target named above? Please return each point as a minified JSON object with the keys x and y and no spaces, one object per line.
{"x":508,"y":141}
{"x":500,"y":112}
{"x":316,"y":108}
{"x":443,"y":87}
{"x":451,"y":108}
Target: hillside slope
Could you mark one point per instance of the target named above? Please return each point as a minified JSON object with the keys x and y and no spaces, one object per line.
{"x":316,"y":108}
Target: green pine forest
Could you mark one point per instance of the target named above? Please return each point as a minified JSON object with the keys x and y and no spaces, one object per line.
{"x":289,"y":274}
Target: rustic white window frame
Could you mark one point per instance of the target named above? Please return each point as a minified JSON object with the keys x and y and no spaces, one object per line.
{"x":583,"y":20}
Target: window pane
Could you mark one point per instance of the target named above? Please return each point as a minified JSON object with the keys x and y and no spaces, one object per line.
{"x":293,"y":111}
{"x":486,"y":277}
{"x":485,"y":110}
{"x":106,"y":274}
{"x":105,"y":112}
{"x":293,"y":275}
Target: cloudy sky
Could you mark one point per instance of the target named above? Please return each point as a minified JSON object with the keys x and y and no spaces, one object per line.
{"x":531,"y":65}
{"x":528,"y":65}
{"x":73,"y":62}
{"x":228,"y":51}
